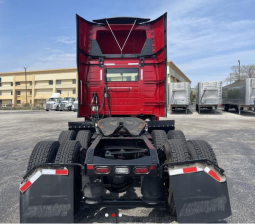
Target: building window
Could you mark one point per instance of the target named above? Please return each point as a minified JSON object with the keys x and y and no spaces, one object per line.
{"x":59,"y":91}
{"x":31,"y":83}
{"x":11,"y":83}
{"x":74,"y":81}
{"x":11,"y":92}
{"x":18,"y":101}
{"x":0,"y":93}
{"x":18,"y":92}
{"x":58,"y":81}
{"x":50,"y":82}
{"x":17,"y":83}
{"x":0,"y":84}
{"x":74,"y":91}
{"x":30,"y":92}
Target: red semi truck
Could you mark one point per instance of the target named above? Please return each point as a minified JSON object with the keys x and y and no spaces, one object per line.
{"x":122,"y":93}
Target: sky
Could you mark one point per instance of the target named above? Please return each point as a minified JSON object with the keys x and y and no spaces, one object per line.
{"x":205,"y":37}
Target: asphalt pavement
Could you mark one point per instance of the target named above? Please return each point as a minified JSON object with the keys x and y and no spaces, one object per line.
{"x":231,"y":135}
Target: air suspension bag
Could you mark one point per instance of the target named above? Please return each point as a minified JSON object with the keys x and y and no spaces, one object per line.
{"x":151,"y":189}
{"x":93,"y":193}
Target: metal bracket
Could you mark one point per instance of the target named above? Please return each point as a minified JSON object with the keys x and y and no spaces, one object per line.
{"x":141,"y":61}
{"x":101,"y":62}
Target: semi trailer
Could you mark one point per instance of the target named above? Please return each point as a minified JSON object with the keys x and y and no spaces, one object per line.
{"x":122,"y":75}
{"x":179,"y":96}
{"x":209,"y":96}
{"x":239,"y":95}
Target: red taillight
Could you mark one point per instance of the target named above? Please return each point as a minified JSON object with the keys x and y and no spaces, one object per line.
{"x":104,"y":170}
{"x":141,"y":170}
{"x":153,"y":167}
{"x":90,"y":167}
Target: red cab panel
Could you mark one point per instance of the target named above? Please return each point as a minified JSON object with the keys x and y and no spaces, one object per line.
{"x":121,"y":65}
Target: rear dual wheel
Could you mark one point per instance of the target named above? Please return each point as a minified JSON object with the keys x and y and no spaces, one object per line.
{"x":43,"y":152}
{"x":159,"y":137}
{"x":69,"y":152}
{"x":73,"y":146}
{"x":176,"y":134}
{"x":200,"y":149}
{"x":175,"y":150}
{"x":66,"y":135}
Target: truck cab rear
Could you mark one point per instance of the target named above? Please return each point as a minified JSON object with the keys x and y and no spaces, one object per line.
{"x":122,"y":93}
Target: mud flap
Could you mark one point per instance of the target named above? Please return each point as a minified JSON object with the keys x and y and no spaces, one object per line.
{"x":200,"y":198}
{"x":47,"y":196}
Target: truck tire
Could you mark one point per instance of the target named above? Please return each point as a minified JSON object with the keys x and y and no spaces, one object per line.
{"x":175,"y":150}
{"x":237,"y":108}
{"x":43,"y":152}
{"x":69,"y":152}
{"x":66,"y":135}
{"x":158,"y":138}
{"x":200,"y":149}
{"x":226,"y":107}
{"x":176,"y":134}
{"x":84,"y":138}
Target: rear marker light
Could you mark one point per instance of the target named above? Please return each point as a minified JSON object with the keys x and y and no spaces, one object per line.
{"x":104,"y":170}
{"x":121,"y":170}
{"x":90,"y":167}
{"x":153,"y":167}
{"x":141,"y":170}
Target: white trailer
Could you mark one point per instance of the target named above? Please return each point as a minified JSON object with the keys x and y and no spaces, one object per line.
{"x":179,"y":96}
{"x":209,"y":95}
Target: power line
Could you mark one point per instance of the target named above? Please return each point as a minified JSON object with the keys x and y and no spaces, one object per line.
{"x":204,"y":74}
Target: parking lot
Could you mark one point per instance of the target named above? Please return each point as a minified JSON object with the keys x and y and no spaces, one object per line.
{"x":231,"y":135}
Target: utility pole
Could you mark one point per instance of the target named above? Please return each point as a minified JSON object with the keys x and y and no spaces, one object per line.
{"x":26,"y":81}
{"x":239,"y":70}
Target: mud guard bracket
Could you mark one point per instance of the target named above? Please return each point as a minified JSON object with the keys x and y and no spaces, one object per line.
{"x":200,"y":198}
